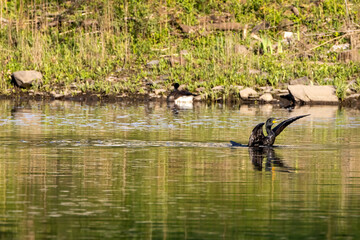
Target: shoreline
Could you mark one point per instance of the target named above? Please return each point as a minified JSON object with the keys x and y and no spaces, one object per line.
{"x":90,"y":97}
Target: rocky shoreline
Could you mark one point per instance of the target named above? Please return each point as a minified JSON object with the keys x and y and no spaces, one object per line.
{"x":297,"y":92}
{"x":281,"y":98}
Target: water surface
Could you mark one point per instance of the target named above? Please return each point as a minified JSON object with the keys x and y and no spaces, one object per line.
{"x":144,"y":171}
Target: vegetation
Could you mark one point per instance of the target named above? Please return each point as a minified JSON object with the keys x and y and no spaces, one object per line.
{"x":103,"y":46}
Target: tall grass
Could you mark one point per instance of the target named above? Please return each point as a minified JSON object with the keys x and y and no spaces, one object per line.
{"x":86,"y":42}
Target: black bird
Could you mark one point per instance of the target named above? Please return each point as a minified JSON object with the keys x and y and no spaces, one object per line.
{"x":179,"y":96}
{"x":257,"y":137}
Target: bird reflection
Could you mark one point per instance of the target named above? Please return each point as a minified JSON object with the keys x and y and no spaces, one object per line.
{"x":257,"y":155}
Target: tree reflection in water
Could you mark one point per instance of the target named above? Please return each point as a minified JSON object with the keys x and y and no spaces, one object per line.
{"x":257,"y":155}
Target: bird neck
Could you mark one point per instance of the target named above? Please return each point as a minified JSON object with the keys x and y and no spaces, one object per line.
{"x":269,"y":131}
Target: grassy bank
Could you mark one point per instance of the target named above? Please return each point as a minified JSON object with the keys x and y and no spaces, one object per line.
{"x":105,"y":46}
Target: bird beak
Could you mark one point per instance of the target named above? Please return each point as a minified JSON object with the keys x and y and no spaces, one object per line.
{"x":276,"y":120}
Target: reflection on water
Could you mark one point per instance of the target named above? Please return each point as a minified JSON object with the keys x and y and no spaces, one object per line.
{"x":257,"y":155}
{"x":112,"y":171}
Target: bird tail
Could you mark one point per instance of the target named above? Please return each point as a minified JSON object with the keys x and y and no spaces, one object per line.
{"x":235,"y":144}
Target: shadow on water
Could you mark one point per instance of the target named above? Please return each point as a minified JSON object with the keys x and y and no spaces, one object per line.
{"x":259,"y":155}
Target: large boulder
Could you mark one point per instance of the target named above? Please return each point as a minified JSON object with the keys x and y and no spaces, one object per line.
{"x":248,"y":93}
{"x":266,"y":97}
{"x":302,"y":81}
{"x":25,"y":79}
{"x":319,"y":94}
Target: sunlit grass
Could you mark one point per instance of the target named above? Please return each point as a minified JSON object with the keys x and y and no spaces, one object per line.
{"x":73,"y":53}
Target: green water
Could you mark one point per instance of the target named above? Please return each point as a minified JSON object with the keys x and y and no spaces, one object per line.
{"x":119,"y":171}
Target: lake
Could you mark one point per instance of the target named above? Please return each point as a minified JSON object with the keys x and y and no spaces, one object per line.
{"x":71,"y":170}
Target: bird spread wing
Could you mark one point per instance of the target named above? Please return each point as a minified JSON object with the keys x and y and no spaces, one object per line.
{"x":281,"y":126}
{"x":186,"y":93}
{"x":257,"y":135}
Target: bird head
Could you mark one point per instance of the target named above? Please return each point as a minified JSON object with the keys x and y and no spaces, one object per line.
{"x":271,"y":121}
{"x":176,"y":85}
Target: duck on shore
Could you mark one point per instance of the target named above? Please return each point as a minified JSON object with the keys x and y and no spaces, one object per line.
{"x":180,"y":96}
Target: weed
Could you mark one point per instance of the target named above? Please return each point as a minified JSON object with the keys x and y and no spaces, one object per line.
{"x":95,"y":38}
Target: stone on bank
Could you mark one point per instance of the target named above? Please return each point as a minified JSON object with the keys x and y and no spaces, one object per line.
{"x":25,"y":79}
{"x":314,"y":94}
{"x":247,"y":93}
{"x":266,"y":97}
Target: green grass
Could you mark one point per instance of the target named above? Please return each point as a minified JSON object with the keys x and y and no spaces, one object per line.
{"x":126,"y":35}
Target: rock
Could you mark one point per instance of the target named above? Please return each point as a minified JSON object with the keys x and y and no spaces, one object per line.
{"x":73,"y":86}
{"x":112,"y":79}
{"x":295,"y":10}
{"x":349,"y":91}
{"x":352,"y":85}
{"x":289,"y":37}
{"x":39,"y":94}
{"x":159,"y":91}
{"x":152,"y":63}
{"x":200,"y":89}
{"x":56,"y":95}
{"x":177,"y":60}
{"x":122,"y":95}
{"x":280,"y":91}
{"x":266,"y":89}
{"x":247,"y":93}
{"x":25,"y":79}
{"x":199,"y":98}
{"x":256,"y":37}
{"x":353,"y":96}
{"x":153,"y":95}
{"x":267,"y":97}
{"x":340,"y":47}
{"x":303,"y":80}
{"x":67,"y":93}
{"x":324,"y":94}
{"x":240,"y":49}
{"x":76,"y":92}
{"x":218,"y":88}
